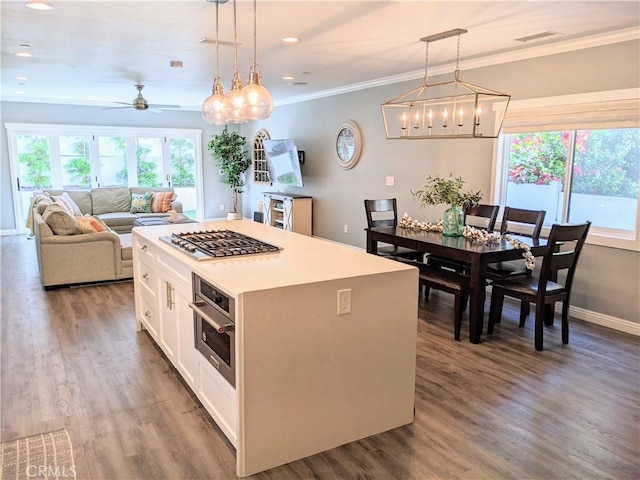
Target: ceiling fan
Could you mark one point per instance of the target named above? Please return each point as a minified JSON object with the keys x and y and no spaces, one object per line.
{"x":140,"y":103}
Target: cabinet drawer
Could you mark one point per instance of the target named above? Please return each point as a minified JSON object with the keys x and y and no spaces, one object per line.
{"x":143,"y":248}
{"x":147,"y":278}
{"x":148,"y":315}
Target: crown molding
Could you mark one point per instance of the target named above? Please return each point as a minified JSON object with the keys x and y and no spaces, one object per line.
{"x":524,"y":53}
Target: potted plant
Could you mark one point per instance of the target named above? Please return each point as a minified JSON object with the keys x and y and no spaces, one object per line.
{"x":438,"y":190}
{"x":227,"y":149}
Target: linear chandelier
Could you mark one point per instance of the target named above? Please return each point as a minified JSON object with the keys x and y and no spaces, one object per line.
{"x":240,"y":104}
{"x":453,"y":109}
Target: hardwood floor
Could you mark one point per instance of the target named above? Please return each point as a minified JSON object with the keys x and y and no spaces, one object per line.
{"x":71,"y":358}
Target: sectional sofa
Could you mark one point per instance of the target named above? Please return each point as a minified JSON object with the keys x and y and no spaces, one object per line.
{"x":88,"y":239}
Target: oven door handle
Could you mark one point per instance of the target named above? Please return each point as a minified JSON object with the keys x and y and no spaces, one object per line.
{"x":197,"y":307}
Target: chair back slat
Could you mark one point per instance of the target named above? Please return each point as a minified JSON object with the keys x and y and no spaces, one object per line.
{"x":381,"y":212}
{"x":489,"y":212}
{"x":563,"y":251}
{"x":520,"y":217}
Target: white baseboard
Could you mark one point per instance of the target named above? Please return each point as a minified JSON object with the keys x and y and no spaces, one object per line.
{"x":9,"y":232}
{"x":615,"y":323}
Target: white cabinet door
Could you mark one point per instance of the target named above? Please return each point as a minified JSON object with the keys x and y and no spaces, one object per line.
{"x":188,"y":356}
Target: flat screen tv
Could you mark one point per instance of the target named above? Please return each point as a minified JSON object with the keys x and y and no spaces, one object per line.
{"x":282,"y":162}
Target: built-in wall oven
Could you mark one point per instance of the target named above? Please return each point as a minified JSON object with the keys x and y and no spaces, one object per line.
{"x":213,"y":316}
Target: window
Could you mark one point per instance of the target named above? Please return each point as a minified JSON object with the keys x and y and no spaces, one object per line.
{"x":81,"y":157}
{"x":589,"y":171}
{"x":260,"y":170}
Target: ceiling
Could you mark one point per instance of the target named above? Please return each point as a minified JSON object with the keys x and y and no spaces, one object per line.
{"x":93,"y":52}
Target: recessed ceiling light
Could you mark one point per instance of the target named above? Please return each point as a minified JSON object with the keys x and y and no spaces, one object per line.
{"x":290,"y":40}
{"x":176,"y":64}
{"x":288,"y":78}
{"x":21,"y":78}
{"x":24,"y":51}
{"x":39,"y":5}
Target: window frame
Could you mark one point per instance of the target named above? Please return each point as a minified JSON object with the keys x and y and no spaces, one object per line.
{"x":601,"y":236}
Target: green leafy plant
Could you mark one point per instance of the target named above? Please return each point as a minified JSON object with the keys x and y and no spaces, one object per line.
{"x":438,"y":190}
{"x":227,"y":149}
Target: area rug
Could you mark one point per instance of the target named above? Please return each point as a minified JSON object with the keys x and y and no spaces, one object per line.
{"x":45,"y":456}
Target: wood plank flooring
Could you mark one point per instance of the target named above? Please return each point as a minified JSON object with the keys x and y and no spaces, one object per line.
{"x":71,"y":358}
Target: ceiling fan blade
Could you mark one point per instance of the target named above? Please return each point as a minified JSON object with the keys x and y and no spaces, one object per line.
{"x":115,"y":108}
{"x":125,"y":103}
{"x":158,"y":105}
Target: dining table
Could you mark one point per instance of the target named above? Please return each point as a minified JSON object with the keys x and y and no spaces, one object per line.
{"x":476,"y":253}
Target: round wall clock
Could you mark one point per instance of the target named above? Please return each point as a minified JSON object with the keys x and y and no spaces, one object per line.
{"x":348,"y":144}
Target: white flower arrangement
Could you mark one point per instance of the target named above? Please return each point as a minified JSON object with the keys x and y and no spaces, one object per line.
{"x":471,"y":233}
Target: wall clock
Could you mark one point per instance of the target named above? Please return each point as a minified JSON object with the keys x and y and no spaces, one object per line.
{"x":348,"y":144}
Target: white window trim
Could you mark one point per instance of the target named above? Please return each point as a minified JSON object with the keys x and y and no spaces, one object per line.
{"x":597,"y":236}
{"x":14,"y":129}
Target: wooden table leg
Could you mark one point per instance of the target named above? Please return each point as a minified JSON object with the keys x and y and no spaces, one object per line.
{"x":476,"y":300}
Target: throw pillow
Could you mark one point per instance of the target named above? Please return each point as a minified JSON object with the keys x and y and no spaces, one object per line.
{"x":141,"y":203}
{"x":161,"y":202}
{"x":67,"y":202}
{"x":60,"y":222}
{"x":89,"y":224}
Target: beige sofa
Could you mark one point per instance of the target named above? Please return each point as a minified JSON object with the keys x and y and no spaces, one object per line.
{"x":67,"y":256}
{"x":113,"y":205}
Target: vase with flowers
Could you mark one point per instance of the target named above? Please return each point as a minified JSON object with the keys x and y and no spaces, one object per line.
{"x":439,"y":190}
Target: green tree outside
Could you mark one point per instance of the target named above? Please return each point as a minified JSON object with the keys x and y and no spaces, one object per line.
{"x":36,"y":159}
{"x":182,"y":162}
{"x":79,"y":168}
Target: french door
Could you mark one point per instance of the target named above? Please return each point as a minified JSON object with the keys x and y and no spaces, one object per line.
{"x":79,"y":157}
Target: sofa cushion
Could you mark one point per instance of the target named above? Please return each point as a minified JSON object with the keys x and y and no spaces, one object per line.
{"x":161,"y":202}
{"x":118,"y":219}
{"x":81,"y":197}
{"x":108,"y":200}
{"x":68,"y":203}
{"x":125,"y":243}
{"x":60,"y":222}
{"x":141,"y":202}
{"x":42,"y":202}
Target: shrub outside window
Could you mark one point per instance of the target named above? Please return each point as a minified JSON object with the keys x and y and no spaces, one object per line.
{"x":577,"y":175}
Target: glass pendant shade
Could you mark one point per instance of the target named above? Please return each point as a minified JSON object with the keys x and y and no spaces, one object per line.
{"x":234,"y":102}
{"x":257,"y":100}
{"x":213,"y":110}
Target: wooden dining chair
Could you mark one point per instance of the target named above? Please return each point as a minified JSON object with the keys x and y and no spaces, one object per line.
{"x":563,"y":251}
{"x":384,"y":213}
{"x":446,"y":281}
{"x":516,"y":221}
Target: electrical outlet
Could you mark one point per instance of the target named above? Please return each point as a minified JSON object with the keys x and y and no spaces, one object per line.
{"x":344,"y":301}
{"x":346,"y":228}
{"x":222,"y":206}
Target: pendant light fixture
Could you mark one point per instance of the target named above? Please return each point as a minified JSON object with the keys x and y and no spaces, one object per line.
{"x":453,"y":109}
{"x":213,"y":108}
{"x":256,"y":99}
{"x":233,"y":101}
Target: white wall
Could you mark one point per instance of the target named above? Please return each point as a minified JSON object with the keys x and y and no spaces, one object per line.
{"x":607,"y":279}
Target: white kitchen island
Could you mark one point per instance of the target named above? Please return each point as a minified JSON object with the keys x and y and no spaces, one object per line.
{"x":307,"y":379}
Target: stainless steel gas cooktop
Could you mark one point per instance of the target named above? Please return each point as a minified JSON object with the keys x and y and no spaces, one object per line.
{"x":214,"y":244}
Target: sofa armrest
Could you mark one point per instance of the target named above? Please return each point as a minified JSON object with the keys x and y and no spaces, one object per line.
{"x":177,"y":206}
